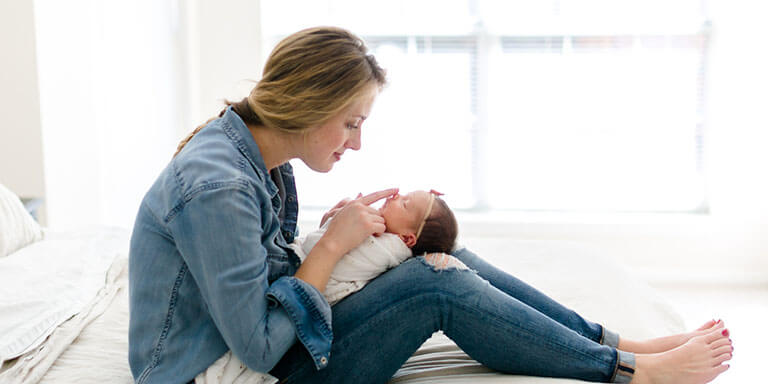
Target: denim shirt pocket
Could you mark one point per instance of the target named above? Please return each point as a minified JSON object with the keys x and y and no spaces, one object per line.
{"x":280,"y":264}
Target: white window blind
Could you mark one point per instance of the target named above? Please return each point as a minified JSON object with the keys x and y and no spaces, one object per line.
{"x":524,"y":105}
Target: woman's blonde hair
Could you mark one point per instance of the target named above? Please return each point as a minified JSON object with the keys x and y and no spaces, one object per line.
{"x":310,"y":76}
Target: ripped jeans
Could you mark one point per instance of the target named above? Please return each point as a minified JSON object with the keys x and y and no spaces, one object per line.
{"x":495,"y":318}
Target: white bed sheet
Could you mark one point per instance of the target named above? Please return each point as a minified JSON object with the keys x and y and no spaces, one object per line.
{"x":575,"y":275}
{"x":47,"y":282}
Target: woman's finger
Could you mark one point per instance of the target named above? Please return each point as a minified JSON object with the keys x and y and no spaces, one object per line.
{"x":329,"y":215}
{"x":378,"y":224}
{"x":378,"y":195}
{"x":378,"y":229}
{"x":376,"y":216}
{"x":335,"y":209}
{"x":341,"y":203}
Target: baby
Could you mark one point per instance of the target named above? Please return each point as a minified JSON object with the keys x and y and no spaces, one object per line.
{"x":417,"y":223}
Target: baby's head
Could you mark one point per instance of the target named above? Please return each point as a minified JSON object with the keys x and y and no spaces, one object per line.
{"x":422,"y":220}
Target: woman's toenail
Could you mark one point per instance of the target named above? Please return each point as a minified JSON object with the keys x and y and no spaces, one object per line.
{"x":725,"y":332}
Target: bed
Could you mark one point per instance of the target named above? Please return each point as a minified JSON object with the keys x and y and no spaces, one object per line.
{"x":83,"y":295}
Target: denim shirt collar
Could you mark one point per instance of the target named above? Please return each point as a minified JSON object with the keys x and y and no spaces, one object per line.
{"x":239,"y":133}
{"x":241,"y":136}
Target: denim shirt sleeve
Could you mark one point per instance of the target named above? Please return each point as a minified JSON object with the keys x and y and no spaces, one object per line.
{"x":310,"y":313}
{"x":219,"y":234}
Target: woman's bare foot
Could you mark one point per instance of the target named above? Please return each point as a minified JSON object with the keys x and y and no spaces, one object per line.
{"x":697,"y":361}
{"x":667,"y":343}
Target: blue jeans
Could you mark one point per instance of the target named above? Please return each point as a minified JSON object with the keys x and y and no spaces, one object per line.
{"x":495,"y":318}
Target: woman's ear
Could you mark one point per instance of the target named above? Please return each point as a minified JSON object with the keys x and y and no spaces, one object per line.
{"x":409,"y":239}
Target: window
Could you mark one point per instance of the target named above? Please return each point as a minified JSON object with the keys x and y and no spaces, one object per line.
{"x":527,"y":105}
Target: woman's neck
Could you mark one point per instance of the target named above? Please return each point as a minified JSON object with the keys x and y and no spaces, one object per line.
{"x":276,"y":147}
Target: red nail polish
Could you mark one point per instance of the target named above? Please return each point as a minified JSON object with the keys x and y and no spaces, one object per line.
{"x":725,"y":332}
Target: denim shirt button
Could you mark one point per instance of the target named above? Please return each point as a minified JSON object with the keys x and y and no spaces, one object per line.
{"x":323,"y":360}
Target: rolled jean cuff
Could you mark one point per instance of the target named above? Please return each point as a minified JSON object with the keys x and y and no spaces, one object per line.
{"x":610,"y":338}
{"x":625,"y":367}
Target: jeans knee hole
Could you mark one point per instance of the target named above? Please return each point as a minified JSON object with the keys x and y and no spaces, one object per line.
{"x":442,"y":262}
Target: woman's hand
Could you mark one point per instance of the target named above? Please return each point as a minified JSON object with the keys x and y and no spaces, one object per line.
{"x":354,"y":220}
{"x":341,"y":204}
{"x":336,"y":208}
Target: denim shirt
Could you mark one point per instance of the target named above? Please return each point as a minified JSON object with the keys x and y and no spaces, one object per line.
{"x":210,"y":268}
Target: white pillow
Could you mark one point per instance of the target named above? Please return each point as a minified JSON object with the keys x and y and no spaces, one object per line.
{"x":17,"y":227}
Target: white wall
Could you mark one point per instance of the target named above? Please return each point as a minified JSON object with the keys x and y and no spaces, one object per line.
{"x":738,"y":92}
{"x":21,"y":149}
{"x":107,"y":102}
{"x":738,"y":133}
{"x":220,"y":56}
{"x":121,"y":83}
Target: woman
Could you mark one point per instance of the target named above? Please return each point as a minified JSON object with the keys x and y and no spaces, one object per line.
{"x":211,"y":270}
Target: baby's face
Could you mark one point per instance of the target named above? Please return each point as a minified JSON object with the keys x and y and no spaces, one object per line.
{"x":404,"y":213}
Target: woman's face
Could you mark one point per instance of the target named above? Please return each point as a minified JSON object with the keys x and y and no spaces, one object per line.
{"x":325,"y":144}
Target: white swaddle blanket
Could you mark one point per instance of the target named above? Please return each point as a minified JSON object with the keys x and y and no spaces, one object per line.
{"x":371,"y":258}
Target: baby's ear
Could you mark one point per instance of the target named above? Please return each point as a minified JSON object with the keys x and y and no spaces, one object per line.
{"x":409,"y":239}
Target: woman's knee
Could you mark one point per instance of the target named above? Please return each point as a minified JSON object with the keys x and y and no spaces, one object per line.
{"x":426,"y":277}
{"x":441,"y":262}
{"x":445,"y":274}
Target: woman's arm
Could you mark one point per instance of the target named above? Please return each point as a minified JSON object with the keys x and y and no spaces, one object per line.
{"x":219,"y":234}
{"x":352,"y":224}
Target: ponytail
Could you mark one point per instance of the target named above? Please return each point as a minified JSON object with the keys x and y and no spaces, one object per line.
{"x":241,"y":108}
